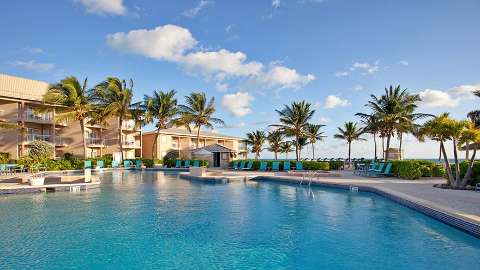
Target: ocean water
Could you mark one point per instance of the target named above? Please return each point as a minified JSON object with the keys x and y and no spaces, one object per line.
{"x":149,"y":220}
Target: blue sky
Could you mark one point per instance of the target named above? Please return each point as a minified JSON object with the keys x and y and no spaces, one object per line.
{"x":255,"y":56}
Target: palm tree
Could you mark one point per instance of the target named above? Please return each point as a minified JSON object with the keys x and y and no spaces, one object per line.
{"x":394,"y":111}
{"x":371,"y":126}
{"x":350,"y":132}
{"x":474,"y":117}
{"x":199,"y":112}
{"x":162,"y":108}
{"x":256,"y":139}
{"x":75,"y":103}
{"x":313,"y":135}
{"x":274,"y":140}
{"x":114,"y":99}
{"x":302,"y":142}
{"x":286,"y":147}
{"x":294,"y":121}
{"x":443,"y":128}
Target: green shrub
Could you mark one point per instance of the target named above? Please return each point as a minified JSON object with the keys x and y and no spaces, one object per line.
{"x":438,"y":170}
{"x":425,"y":168}
{"x":316,"y":165}
{"x":410,"y":170}
{"x":426,"y":171}
{"x":335,"y":164}
{"x":4,"y":157}
{"x":147,"y":162}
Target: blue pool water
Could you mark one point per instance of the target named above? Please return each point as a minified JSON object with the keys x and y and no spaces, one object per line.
{"x":154,"y":221}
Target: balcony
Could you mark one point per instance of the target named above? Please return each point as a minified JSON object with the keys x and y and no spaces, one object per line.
{"x":95,"y":142}
{"x":129,"y":125}
{"x":59,"y":141}
{"x":131,"y":144}
{"x":31,"y":116}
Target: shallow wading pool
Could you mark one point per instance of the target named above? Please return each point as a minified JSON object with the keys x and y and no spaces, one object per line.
{"x":152,"y":220}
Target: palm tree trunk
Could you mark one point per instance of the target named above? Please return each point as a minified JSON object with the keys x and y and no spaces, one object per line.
{"x":383,"y":147}
{"x":155,"y":143}
{"x":349,"y":151}
{"x":84,"y":140}
{"x":198,"y":136}
{"x":467,"y":151}
{"x":296,"y":149}
{"x":375,"y":144}
{"x":120,"y":133}
{"x":313,"y":151}
{"x":447,"y":164}
{"x":469,"y":169}
{"x":275,"y":155}
{"x":440,"y":153}
{"x":457,"y":165}
{"x":400,"y":138}
{"x":388,"y":148}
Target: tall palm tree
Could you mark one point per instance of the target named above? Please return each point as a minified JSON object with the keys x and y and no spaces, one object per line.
{"x":395,"y":112}
{"x":199,"y":112}
{"x":302,"y":142}
{"x":114,"y":99}
{"x":350,"y":132}
{"x":75,"y":103}
{"x":443,"y":128}
{"x":286,"y":147}
{"x":275,"y":140}
{"x":371,"y":126}
{"x":160,"y":108}
{"x":474,"y":117}
{"x":313,"y":135}
{"x":294,"y":121}
{"x":256,"y":139}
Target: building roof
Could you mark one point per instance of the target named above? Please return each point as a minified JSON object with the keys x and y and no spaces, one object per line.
{"x":214,"y":148}
{"x":22,"y":88}
{"x":185,"y":132}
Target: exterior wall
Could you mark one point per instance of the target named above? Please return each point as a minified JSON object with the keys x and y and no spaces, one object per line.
{"x":183,"y":144}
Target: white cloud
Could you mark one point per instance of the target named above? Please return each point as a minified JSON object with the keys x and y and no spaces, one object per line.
{"x":275,"y":3}
{"x":340,"y":74}
{"x":228,"y":28}
{"x":190,"y":13}
{"x":432,"y":98}
{"x":33,"y":66}
{"x":358,"y":87}
{"x":114,"y":7}
{"x":324,"y":120}
{"x":403,"y":62}
{"x":239,"y":125}
{"x":333,"y":101}
{"x":176,"y":44}
{"x":168,"y":42}
{"x":283,"y":77}
{"x":238,"y":104}
{"x":34,"y":50}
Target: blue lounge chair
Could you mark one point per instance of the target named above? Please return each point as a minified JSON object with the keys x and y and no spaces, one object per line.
{"x":87,"y":164}
{"x":242,"y":165}
{"x":363,"y":169}
{"x":187,"y":163}
{"x":114,"y":164}
{"x":249,"y":166}
{"x":234,"y":165}
{"x":127,"y":164}
{"x":286,"y":166}
{"x":196,"y":163}
{"x":263,"y":166}
{"x":3,"y":169}
{"x":138,"y":164}
{"x":379,"y":169}
{"x":100,"y":164}
{"x":386,"y":172}
{"x":275,"y":166}
{"x":178,"y":163}
{"x":298,"y":166}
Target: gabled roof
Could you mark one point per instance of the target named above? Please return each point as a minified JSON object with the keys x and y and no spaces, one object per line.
{"x":185,"y":132}
{"x":214,"y":148}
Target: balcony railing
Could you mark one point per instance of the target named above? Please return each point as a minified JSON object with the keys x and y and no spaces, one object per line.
{"x":131,"y":144}
{"x":45,"y":138}
{"x":129,"y":125}
{"x":38,"y":117}
{"x":95,"y":141}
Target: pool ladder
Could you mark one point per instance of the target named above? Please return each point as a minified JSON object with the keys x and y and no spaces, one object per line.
{"x":309,"y":176}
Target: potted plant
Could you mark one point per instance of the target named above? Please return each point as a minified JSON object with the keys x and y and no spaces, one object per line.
{"x":39,"y":153}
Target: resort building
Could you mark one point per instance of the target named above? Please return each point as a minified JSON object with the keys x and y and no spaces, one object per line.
{"x":219,"y":149}
{"x":20,"y":99}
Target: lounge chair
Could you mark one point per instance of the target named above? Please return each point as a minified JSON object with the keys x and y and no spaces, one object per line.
{"x":100,"y":164}
{"x":187,"y":163}
{"x":299,"y":166}
{"x":386,"y":172}
{"x":286,"y":166}
{"x":114,"y":164}
{"x":249,"y":166}
{"x":275,"y":166}
{"x":178,"y":163}
{"x":242,"y":165}
{"x":20,"y":169}
{"x":138,"y":164}
{"x":127,"y":164}
{"x":362,"y":169}
{"x":263,"y":166}
{"x":196,"y":163}
{"x":3,"y":169}
{"x":87,"y":164}
{"x":373,"y":172}
{"x":234,"y":165}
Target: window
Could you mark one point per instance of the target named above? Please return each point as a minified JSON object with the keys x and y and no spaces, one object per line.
{"x":224,"y":155}
{"x":193,"y":143}
{"x":164,"y":139}
{"x":174,"y":142}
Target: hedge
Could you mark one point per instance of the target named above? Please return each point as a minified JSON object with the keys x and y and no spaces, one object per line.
{"x":307,"y":165}
{"x":414,"y":169}
{"x":171,"y":163}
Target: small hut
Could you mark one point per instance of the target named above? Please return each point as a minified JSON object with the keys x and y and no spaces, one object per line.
{"x":218,"y":156}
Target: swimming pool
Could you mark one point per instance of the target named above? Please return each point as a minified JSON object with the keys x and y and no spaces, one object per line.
{"x":151,"y":220}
